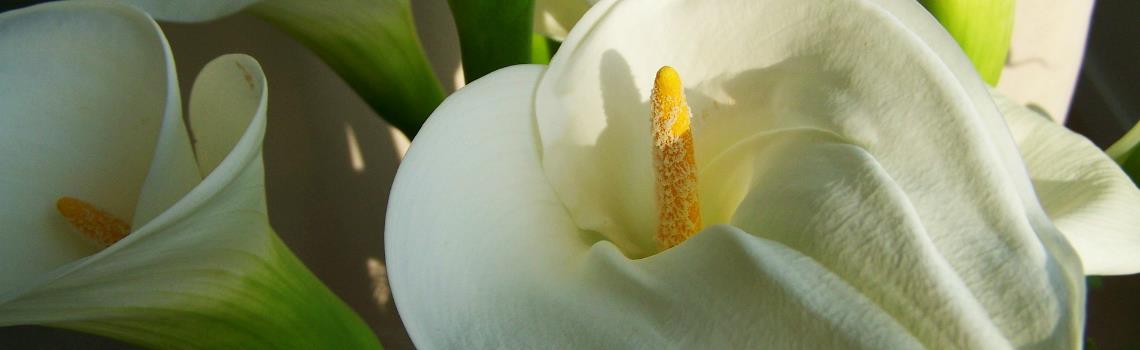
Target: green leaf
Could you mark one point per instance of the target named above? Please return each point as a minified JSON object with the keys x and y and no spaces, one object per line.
{"x":373,"y":45}
{"x":982,"y":27}
{"x":493,"y":34}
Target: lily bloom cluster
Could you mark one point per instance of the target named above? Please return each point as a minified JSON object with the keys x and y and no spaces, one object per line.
{"x":859,"y":187}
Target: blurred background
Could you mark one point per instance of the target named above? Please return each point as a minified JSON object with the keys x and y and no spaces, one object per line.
{"x":330,"y":160}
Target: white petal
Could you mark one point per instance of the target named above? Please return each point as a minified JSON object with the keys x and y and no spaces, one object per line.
{"x":482,"y":254}
{"x":190,"y":10}
{"x":881,"y":73}
{"x":463,"y":204}
{"x":88,"y":98}
{"x":173,"y":170}
{"x":836,"y":204}
{"x":211,"y":264}
{"x":227,"y":95}
{"x":1088,"y":196}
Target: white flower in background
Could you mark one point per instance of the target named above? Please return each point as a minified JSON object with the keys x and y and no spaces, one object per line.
{"x":90,"y":111}
{"x":857,"y":188}
{"x":554,"y":18}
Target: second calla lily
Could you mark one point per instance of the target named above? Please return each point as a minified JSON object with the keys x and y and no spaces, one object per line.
{"x":858,"y":188}
{"x":90,"y":108}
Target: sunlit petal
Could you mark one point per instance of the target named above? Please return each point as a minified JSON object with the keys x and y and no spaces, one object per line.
{"x":881,"y":73}
{"x":863,"y":188}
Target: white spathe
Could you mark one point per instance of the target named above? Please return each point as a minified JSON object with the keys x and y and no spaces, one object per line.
{"x":90,"y":108}
{"x":861,"y":187}
{"x":110,"y":132}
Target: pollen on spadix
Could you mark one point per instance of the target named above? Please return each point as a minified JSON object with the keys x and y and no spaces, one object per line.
{"x":676,"y":171}
{"x":105,"y":229}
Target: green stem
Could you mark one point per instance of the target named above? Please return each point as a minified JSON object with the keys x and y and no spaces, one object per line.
{"x":372,"y":45}
{"x":539,"y":50}
{"x":1125,"y":146}
{"x":493,"y":34}
{"x":1132,"y":167}
{"x":1124,"y":152}
{"x":982,"y":27}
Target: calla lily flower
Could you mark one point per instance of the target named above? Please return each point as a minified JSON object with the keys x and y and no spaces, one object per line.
{"x":90,"y":109}
{"x":857,"y":187}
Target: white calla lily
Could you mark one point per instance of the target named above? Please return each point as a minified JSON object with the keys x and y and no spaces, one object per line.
{"x":90,"y":108}
{"x":859,"y":187}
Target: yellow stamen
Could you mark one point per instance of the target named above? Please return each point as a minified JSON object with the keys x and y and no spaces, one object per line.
{"x":677,"y":205}
{"x":96,"y":224}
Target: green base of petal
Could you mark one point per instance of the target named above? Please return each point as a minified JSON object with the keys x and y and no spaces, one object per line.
{"x":983,"y":28}
{"x":372,"y":45}
{"x":278,"y":304}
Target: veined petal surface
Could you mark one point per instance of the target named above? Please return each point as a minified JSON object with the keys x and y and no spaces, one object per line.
{"x":508,"y":268}
{"x":863,"y":190}
{"x":505,"y":265}
{"x":883,"y":74}
{"x":835,"y":203}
